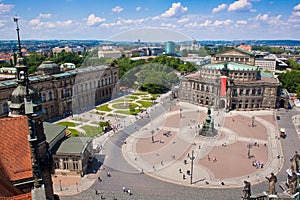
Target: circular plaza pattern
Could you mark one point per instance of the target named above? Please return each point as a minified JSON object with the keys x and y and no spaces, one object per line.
{"x":246,"y":147}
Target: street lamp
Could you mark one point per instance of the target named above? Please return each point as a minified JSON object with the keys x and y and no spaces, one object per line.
{"x":152,"y":132}
{"x":192,"y":165}
{"x":249,"y":153}
{"x":60,"y":185}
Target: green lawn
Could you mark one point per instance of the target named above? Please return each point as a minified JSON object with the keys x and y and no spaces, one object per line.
{"x":155,"y":95}
{"x":80,"y":119}
{"x":69,"y":124}
{"x":74,"y":132}
{"x":122,"y":100}
{"x":121,"y":105}
{"x":91,"y":131}
{"x":148,"y":99}
{"x":145,"y":104}
{"x":140,"y":93}
{"x":104,"y":108}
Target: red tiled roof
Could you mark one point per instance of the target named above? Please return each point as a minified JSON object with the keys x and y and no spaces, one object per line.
{"x":26,"y":196}
{"x":15,"y":155}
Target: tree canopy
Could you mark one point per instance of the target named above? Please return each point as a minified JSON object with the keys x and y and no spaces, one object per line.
{"x":291,"y":81}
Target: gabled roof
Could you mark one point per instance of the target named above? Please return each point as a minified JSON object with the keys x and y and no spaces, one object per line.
{"x":235,"y":49}
{"x":73,"y":145}
{"x":15,"y":154}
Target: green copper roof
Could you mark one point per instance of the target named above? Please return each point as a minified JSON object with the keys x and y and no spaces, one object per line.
{"x":231,"y":66}
{"x":267,"y":74}
{"x":52,"y":131}
{"x":73,"y":145}
{"x":48,"y":64}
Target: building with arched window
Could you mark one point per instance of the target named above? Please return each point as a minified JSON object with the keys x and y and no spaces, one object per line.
{"x":233,"y":86}
{"x":68,"y":92}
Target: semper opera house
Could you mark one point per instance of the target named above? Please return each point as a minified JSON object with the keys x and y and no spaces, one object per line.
{"x":66,"y":92}
{"x":232,"y":82}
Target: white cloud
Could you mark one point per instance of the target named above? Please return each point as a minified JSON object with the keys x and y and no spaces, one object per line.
{"x":242,"y":22}
{"x":240,"y":5}
{"x":117,"y":9}
{"x":138,"y":8}
{"x":175,"y":11}
{"x":219,"y":8}
{"x":297,"y":14}
{"x":93,"y":20}
{"x":5,"y":8}
{"x":34,"y":21}
{"x":37,"y":23}
{"x":261,"y":17}
{"x":47,"y":16}
{"x":297,"y":7}
{"x":206,"y":23}
{"x":184,"y":20}
{"x":169,"y":25}
{"x":220,"y":22}
{"x":2,"y":23}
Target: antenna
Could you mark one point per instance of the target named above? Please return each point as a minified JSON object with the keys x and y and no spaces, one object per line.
{"x":16,"y":19}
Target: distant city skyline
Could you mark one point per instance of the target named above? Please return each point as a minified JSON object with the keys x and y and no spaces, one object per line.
{"x":151,"y":20}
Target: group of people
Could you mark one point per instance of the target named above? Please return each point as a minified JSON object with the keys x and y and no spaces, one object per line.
{"x":126,"y":190}
{"x":258,"y":164}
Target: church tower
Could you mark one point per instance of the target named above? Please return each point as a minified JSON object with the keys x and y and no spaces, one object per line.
{"x":25,"y":100}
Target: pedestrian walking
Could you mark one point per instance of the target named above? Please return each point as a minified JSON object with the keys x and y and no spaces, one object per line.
{"x":208,"y":158}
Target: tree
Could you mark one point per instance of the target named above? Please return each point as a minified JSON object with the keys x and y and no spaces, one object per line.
{"x":293,"y":64}
{"x":290,"y":80}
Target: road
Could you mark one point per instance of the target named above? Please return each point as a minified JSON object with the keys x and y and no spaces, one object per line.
{"x":145,"y":187}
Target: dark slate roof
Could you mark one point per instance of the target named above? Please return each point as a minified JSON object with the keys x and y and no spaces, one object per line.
{"x":73,"y":145}
{"x":52,"y":131}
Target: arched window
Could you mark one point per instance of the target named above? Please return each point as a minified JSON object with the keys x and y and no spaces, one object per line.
{"x":44,"y":97}
{"x":50,"y":96}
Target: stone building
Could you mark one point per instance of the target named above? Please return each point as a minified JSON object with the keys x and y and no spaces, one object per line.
{"x":233,"y":86}
{"x":69,"y":92}
{"x":234,"y":55}
{"x":74,"y":156}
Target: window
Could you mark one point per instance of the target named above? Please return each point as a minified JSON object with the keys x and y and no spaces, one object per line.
{"x":235,"y":93}
{"x":253,"y":91}
{"x":66,"y":163}
{"x":56,"y":163}
{"x":241,"y":91}
{"x":75,"y":164}
{"x":247,"y":91}
{"x":259,"y":91}
{"x":52,"y":109}
{"x":5,"y":108}
{"x":44,"y":98}
{"x":50,"y":96}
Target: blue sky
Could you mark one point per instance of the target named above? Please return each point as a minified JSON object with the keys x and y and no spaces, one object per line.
{"x":111,"y":19}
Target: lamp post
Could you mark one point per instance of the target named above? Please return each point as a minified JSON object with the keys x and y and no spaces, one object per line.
{"x":192,"y":166}
{"x":152,"y":137}
{"x":249,"y":153}
{"x":60,"y":188}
